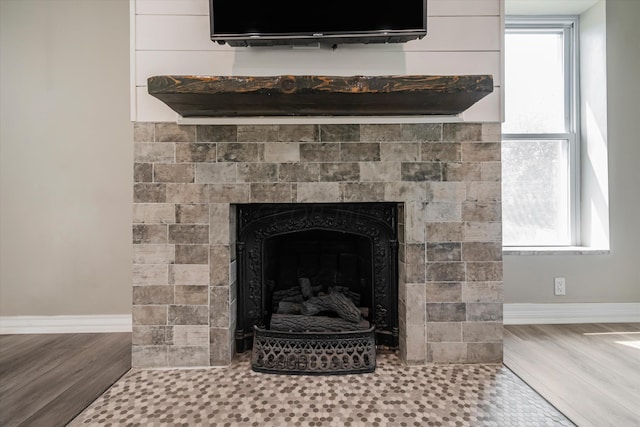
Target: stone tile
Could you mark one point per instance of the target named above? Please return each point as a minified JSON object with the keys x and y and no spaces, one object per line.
{"x":151,"y":335}
{"x":172,"y":132}
{"x":446,"y":251}
{"x":219,"y":223}
{"x":414,"y":222}
{"x":299,"y":172}
{"x":154,"y":213}
{"x":188,"y":315}
{"x":228,"y":193}
{"x":298,"y":133}
{"x":216,"y":133}
{"x":153,"y":254}
{"x":484,"y":271}
{"x":173,"y":173}
{"x":400,"y":152}
{"x":483,"y":232}
{"x":415,"y":262}
{"x":186,"y":193}
{"x":481,"y":251}
{"x":149,"y":233}
{"x":484,"y":191}
{"x":484,"y":353}
{"x":152,"y":295}
{"x":443,"y":212}
{"x":153,"y":152}
{"x":462,"y":131}
{"x":192,"y":213}
{"x":240,"y":152}
{"x":491,"y":132}
{"x":257,"y":172}
{"x":481,"y":152}
{"x":150,"y":274}
{"x":445,"y":231}
{"x":381,"y":132}
{"x":444,"y":332}
{"x":282,"y":152}
{"x":149,"y":193}
{"x":482,"y":332}
{"x":221,"y":351}
{"x":360,"y":152}
{"x":143,"y":132}
{"x":339,"y":133}
{"x":188,"y":356}
{"x":362,"y":192}
{"x":272,"y":193}
{"x":441,"y":152}
{"x":189,"y":274}
{"x":421,"y":132}
{"x":444,"y":292}
{"x":143,"y":172}
{"x":461,"y":171}
{"x":149,"y":356}
{"x":188,"y":233}
{"x":340,"y":172}
{"x":481,"y":211}
{"x":219,"y":314}
{"x":484,"y":312}
{"x":483,"y":292}
{"x":191,"y":254}
{"x":219,"y":265}
{"x":445,"y":271}
{"x":406,"y":191}
{"x":192,"y":336}
{"x":258,"y":133}
{"x":215,"y":173}
{"x":415,"y":349}
{"x":446,"y":352}
{"x":388,"y":172}
{"x":320,"y":152}
{"x":415,"y":313}
{"x":417,"y":171}
{"x":448,"y":192}
{"x":446,"y":312}
{"x":196,"y":153}
{"x":318,"y":192}
{"x":149,"y":315}
{"x":191,"y":294}
{"x":491,"y":171}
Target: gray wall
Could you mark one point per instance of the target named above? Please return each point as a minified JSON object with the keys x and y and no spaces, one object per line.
{"x":614,"y":277}
{"x":66,"y":158}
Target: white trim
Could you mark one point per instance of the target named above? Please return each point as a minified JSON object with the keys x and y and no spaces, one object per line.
{"x":523,"y":314}
{"x":272,"y":120}
{"x":65,"y":324}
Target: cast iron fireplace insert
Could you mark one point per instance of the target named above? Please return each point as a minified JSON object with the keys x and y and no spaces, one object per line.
{"x":352,"y":246}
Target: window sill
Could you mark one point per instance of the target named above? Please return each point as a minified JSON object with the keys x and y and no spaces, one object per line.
{"x":553,"y":250}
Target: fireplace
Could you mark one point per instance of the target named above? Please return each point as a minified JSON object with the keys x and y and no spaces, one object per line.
{"x":199,"y":195}
{"x":345,"y":248}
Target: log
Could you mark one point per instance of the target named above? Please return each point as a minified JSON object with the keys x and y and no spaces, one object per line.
{"x":335,"y":302}
{"x":305,"y":287}
{"x":301,"y":323}
{"x":285,"y":307}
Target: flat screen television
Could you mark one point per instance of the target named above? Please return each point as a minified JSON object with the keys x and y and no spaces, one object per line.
{"x":331,"y":22}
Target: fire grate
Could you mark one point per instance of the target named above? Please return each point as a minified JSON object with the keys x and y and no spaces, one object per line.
{"x":313,"y":353}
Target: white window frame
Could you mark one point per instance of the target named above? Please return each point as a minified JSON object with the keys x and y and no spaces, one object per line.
{"x":569,"y":25}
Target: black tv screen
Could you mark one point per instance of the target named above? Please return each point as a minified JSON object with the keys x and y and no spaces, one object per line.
{"x":281,"y":22}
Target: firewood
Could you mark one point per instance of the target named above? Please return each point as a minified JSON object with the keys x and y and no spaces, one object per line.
{"x":335,"y":302}
{"x":301,"y":323}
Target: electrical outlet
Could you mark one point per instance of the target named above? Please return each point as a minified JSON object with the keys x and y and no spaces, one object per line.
{"x":560,"y":286}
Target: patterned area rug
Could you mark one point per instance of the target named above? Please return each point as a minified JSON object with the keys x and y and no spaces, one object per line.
{"x":393,"y":395}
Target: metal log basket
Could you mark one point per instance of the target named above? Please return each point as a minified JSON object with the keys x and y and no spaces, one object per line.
{"x":313,"y":353}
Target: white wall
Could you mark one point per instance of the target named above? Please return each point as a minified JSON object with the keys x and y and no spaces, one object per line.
{"x":614,"y":277}
{"x":172,"y":37}
{"x":66,"y":158}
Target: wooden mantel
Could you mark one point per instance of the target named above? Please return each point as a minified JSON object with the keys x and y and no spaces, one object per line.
{"x":286,"y":95}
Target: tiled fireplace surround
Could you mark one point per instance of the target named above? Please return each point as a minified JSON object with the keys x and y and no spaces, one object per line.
{"x":444,"y":176}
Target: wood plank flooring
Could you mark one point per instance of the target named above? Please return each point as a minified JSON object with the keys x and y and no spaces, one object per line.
{"x":46,"y":380}
{"x":590,"y":372}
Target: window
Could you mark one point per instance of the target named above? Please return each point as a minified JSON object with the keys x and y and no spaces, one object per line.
{"x":539,"y":149}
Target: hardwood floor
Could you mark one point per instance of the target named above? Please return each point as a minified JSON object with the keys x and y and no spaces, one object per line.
{"x":590,"y":372}
{"x":46,"y":380}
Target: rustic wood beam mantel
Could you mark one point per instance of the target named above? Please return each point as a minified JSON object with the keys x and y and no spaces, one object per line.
{"x":241,"y":96}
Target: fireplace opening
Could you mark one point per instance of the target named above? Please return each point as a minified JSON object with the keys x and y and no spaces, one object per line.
{"x":326,"y":268}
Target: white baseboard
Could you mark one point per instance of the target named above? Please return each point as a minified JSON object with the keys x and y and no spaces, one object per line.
{"x":530,"y":314}
{"x":65,"y":324}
